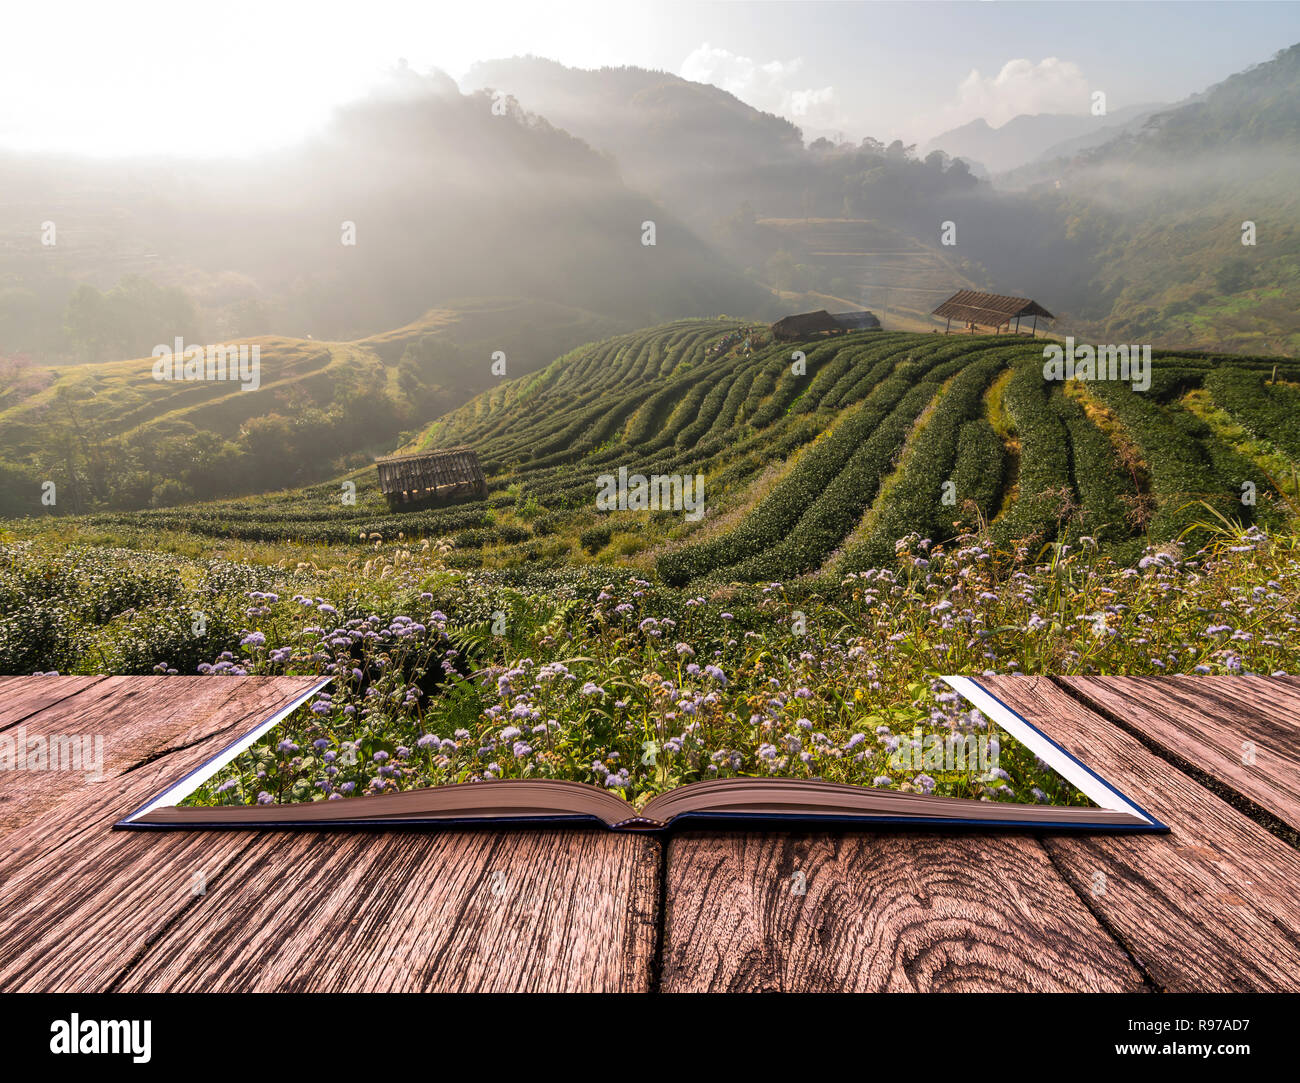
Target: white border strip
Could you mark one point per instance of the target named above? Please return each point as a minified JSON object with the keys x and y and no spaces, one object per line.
{"x":1044,"y":748}
{"x":191,"y":782}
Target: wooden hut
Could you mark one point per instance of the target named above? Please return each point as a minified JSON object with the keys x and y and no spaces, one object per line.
{"x":431,"y":477}
{"x":810,"y":324}
{"x":991,"y":310}
{"x":806,"y":325}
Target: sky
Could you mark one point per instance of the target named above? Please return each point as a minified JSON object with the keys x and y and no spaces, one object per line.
{"x":144,"y":77}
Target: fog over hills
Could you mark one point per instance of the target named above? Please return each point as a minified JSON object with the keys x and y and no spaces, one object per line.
{"x":1098,"y":224}
{"x":448,"y":198}
{"x":1025,"y":139}
{"x":484,"y":223}
{"x":690,"y":144}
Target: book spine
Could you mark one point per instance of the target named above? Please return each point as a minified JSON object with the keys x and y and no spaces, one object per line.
{"x":639,"y":823}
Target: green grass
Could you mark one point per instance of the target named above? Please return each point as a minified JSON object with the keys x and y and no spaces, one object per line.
{"x":110,"y":436}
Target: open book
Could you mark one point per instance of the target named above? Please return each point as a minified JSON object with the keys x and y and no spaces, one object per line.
{"x":736,"y":800}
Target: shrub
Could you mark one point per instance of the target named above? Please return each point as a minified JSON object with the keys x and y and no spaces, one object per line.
{"x":595,"y":538}
{"x":1043,"y":489}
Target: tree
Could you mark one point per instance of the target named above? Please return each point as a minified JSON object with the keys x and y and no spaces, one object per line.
{"x":169,"y":493}
{"x":959,"y":172}
{"x":86,"y":323}
{"x":408,"y":378}
{"x":1234,"y":276}
{"x":130,"y":320}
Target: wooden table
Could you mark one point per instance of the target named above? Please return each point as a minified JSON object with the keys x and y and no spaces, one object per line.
{"x":1211,"y":906}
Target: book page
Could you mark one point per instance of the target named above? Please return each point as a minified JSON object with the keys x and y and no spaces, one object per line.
{"x":930,"y":742}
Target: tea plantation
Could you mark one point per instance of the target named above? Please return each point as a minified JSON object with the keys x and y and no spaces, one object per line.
{"x":818,"y":457}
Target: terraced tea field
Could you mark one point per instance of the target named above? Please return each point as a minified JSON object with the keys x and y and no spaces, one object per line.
{"x":820,"y":472}
{"x":64,"y":422}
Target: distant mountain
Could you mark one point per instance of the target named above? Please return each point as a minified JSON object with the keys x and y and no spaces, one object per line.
{"x":1050,"y":163}
{"x":678,"y":140}
{"x":732,"y":171}
{"x":446,"y":196}
{"x":1126,"y":122}
{"x":1153,"y":221}
{"x":1254,"y":109}
{"x":1026,"y":138}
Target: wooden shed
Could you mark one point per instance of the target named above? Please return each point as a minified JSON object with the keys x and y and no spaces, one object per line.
{"x":431,"y":477}
{"x":806,"y":325}
{"x":993,"y":310}
{"x":857,"y":321}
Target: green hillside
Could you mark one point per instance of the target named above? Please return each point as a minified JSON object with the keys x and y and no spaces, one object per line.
{"x":110,"y":435}
{"x":888,"y":434}
{"x":409,"y":198}
{"x":1154,"y":222}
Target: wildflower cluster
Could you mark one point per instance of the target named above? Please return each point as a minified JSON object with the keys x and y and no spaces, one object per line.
{"x":626,"y":684}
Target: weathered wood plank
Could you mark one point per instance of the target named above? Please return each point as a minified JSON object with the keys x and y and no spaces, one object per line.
{"x":1216,"y":724}
{"x":76,"y":920}
{"x":554,"y":911}
{"x":22,"y":697}
{"x":879,"y":912}
{"x":83,"y":908}
{"x":79,"y":901}
{"x":1210,"y":907}
{"x":137,"y":718}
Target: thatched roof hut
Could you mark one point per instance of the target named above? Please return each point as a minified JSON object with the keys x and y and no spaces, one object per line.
{"x":995,"y":310}
{"x":431,"y":477}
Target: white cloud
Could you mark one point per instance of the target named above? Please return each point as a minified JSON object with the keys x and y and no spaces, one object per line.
{"x":1050,"y":86}
{"x":772,"y":87}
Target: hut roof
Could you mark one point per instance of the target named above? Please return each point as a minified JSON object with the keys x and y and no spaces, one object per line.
{"x":806,"y":323}
{"x":856,"y":321}
{"x":442,"y":452}
{"x":989,"y":309}
{"x":429,"y":470}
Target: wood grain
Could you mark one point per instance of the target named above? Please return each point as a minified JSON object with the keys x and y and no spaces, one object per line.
{"x":83,"y":908}
{"x":1208,"y":722}
{"x":76,"y":918}
{"x":138,"y":719}
{"x":77,"y":900}
{"x":879,"y":912}
{"x":1211,"y":906}
{"x":22,"y":697}
{"x":553,"y":911}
